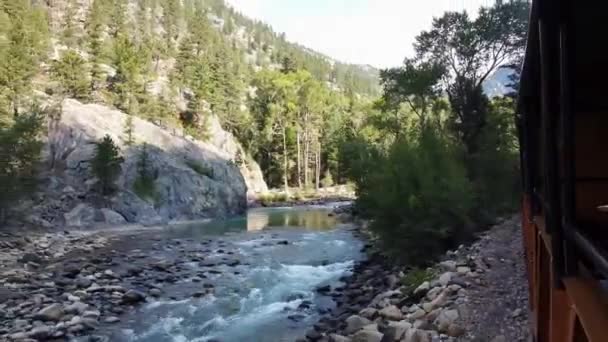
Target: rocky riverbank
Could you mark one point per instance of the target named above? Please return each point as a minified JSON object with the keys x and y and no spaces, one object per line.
{"x":67,"y":286}
{"x":477,"y":293}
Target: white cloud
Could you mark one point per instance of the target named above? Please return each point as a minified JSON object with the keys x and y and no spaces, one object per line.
{"x":376,"y":32}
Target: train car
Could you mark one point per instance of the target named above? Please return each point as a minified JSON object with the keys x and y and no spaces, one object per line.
{"x":563,"y":127}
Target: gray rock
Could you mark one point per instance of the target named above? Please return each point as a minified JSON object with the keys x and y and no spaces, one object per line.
{"x":40,"y":333}
{"x":423,"y":288}
{"x":445,"y":278}
{"x":111,"y":319}
{"x":448,"y":265}
{"x":396,"y":330}
{"x":76,"y":308}
{"x":338,"y":338}
{"x":416,"y":335}
{"x":80,"y":216}
{"x":184,"y":192}
{"x":53,"y":312}
{"x":355,"y":323}
{"x":133,"y":297}
{"x":367,"y":336}
{"x":392,"y":313}
{"x":446,"y":318}
{"x":111,"y":217}
{"x":369,"y":313}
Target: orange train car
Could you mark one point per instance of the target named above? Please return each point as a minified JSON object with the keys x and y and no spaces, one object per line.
{"x":563,"y":128}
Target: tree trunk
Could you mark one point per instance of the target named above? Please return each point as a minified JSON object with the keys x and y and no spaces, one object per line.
{"x":318,"y":168}
{"x":299,"y":160}
{"x":306,"y":155}
{"x":285,"y":160}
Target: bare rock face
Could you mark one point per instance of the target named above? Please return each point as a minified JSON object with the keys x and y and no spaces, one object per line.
{"x":194,"y":179}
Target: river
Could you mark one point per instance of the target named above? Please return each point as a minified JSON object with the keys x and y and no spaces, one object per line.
{"x":264,"y":268}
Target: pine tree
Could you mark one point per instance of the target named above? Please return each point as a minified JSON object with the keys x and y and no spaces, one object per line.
{"x":106,"y":164}
{"x":70,"y":71}
{"x":144,"y":185}
{"x":70,"y":32}
{"x":20,"y":147}
{"x":95,"y":25}
{"x":25,"y":43}
{"x":129,"y":139}
{"x":126,"y":82}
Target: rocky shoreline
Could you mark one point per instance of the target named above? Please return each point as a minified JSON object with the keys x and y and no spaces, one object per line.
{"x":67,"y":286}
{"x":71,"y":285}
{"x":376,"y":305}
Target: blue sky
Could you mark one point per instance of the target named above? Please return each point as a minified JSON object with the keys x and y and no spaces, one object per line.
{"x":376,"y":32}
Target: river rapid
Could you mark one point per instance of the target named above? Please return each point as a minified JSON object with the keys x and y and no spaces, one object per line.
{"x":263,"y":270}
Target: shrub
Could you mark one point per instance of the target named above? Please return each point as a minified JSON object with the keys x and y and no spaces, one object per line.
{"x":414,"y":278}
{"x":327,"y":180}
{"x":417,"y":195}
{"x":106,"y":164}
{"x":200,"y":168}
{"x":272,"y":198}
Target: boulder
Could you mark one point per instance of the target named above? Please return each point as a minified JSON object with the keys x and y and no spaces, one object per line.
{"x":367,"y":336}
{"x":111,"y":217}
{"x":391,"y":313}
{"x":194,"y":179}
{"x":355,"y":323}
{"x":80,"y":216}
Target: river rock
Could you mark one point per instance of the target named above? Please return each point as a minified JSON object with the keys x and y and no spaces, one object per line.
{"x":40,"y":332}
{"x":446,"y":318}
{"x":76,"y":308}
{"x":416,"y":335}
{"x":80,"y":216}
{"x":448,"y":265}
{"x":133,"y":297}
{"x":445,"y":278}
{"x":354,"y":323}
{"x":369,"y":313}
{"x":396,"y":330}
{"x":392,"y":313}
{"x":53,"y":312}
{"x":338,"y":338}
{"x":367,"y":336}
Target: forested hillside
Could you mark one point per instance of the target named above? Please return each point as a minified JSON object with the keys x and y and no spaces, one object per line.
{"x":176,"y":64}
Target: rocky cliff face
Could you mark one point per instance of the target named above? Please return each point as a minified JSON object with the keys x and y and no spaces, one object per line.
{"x":194,"y":179}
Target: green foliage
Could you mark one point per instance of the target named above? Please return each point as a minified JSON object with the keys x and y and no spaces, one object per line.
{"x":126,"y":83}
{"x":20,"y":147}
{"x":70,"y":72}
{"x":270,"y":198}
{"x":144,"y":185}
{"x":106,"y":164}
{"x":200,"y":168}
{"x":417,"y":194}
{"x":327,"y":180}
{"x":128,"y":131}
{"x":23,"y":42}
{"x":414,"y":278}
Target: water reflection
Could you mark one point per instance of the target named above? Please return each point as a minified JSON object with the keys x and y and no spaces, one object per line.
{"x":311,"y":218}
